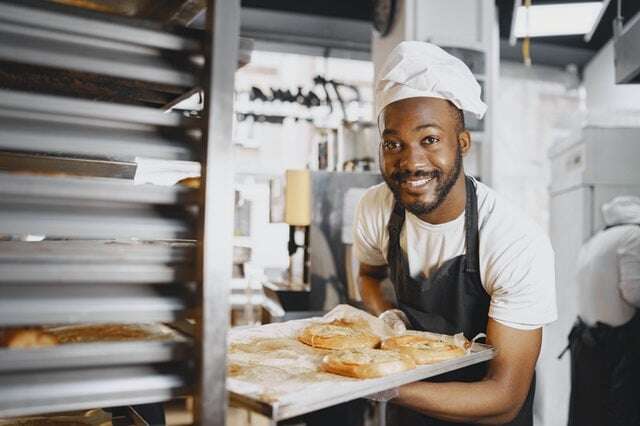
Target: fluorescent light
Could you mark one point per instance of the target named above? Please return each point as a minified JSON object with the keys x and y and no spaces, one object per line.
{"x":556,"y":19}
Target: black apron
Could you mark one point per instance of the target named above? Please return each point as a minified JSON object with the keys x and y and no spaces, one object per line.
{"x":451,"y":300}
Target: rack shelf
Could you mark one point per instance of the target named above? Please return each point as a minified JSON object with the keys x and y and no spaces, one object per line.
{"x":24,"y":393}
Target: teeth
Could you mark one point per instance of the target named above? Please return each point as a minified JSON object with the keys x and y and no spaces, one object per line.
{"x":419,"y":182}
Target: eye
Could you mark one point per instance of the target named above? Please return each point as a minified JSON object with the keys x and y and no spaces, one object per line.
{"x":430,"y":140}
{"x":390,"y":146}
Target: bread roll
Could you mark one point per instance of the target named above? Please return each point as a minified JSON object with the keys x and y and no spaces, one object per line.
{"x":26,"y":338}
{"x":339,"y":335}
{"x":422,"y":349}
{"x":366,"y":363}
{"x":191,"y":182}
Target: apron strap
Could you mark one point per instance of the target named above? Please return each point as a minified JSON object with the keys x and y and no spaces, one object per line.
{"x":471,"y":228}
{"x":578,"y":328}
{"x":394,"y":226}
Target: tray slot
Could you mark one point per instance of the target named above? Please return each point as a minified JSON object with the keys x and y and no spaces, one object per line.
{"x":103,"y":354}
{"x":68,"y":304}
{"x":40,"y":392}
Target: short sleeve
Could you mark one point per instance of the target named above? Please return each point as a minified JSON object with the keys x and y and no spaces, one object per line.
{"x":367,"y":233}
{"x":523,"y":291}
{"x":629,"y":264}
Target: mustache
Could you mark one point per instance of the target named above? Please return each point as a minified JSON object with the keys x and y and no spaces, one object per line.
{"x":402,"y":175}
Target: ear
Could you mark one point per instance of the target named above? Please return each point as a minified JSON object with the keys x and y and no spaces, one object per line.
{"x":464,"y":140}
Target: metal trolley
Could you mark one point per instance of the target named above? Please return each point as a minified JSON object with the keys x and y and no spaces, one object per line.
{"x":114,"y":252}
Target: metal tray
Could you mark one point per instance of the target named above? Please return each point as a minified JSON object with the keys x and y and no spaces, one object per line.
{"x":348,"y":391}
{"x":39,"y":392}
{"x":77,"y":355}
{"x":60,"y":303}
{"x":164,"y":344}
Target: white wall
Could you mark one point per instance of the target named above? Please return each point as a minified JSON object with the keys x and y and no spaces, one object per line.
{"x":532,"y":106}
{"x":602,"y":92}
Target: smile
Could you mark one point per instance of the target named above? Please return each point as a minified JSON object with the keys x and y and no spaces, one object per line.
{"x":415,"y":183}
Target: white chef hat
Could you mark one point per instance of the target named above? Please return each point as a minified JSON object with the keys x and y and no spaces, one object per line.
{"x":622,"y":209}
{"x":419,"y":69}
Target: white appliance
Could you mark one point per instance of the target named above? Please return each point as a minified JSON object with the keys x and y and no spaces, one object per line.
{"x":589,"y":168}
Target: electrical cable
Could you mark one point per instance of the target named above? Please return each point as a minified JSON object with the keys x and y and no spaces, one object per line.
{"x":526,"y":43}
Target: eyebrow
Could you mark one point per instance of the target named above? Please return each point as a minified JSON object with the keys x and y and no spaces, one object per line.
{"x":424,"y":126}
{"x":387,"y":132}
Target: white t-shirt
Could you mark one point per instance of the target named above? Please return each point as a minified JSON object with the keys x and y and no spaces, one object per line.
{"x":516,"y":257}
{"x":608,"y":276}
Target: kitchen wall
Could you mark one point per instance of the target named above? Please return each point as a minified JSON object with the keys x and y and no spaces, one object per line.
{"x":534,"y":107}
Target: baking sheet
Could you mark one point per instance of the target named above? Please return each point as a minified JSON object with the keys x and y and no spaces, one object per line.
{"x":286,"y":382}
{"x":163,"y":344}
{"x":25,"y":393}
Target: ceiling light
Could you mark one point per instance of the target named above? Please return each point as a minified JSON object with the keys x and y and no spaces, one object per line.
{"x":555,"y":19}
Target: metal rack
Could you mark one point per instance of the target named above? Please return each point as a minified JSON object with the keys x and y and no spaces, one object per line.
{"x":114,"y":251}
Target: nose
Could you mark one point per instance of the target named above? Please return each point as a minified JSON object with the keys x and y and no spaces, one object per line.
{"x":412,"y":159}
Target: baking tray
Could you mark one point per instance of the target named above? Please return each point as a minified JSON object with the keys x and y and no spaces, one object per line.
{"x":39,"y":392}
{"x":173,"y":347}
{"x":307,"y":402}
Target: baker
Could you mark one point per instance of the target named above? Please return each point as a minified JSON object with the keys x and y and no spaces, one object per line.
{"x":605,"y":341}
{"x":461,"y":258}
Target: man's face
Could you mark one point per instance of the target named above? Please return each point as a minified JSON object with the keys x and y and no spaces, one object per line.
{"x":421,"y":152}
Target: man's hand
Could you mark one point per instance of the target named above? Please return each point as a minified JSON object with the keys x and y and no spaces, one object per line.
{"x":495,"y":399}
{"x":371,"y":278}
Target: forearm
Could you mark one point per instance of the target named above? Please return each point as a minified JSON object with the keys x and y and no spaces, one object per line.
{"x":372,"y":297}
{"x":497,"y":398}
{"x":484,"y":402}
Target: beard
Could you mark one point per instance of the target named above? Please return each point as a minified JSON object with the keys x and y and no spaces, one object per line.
{"x":445,"y":182}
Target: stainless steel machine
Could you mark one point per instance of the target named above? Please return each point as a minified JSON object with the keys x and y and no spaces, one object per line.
{"x":335,"y":198}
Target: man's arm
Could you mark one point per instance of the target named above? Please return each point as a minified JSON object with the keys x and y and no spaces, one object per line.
{"x":495,"y":399}
{"x":371,"y":278}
